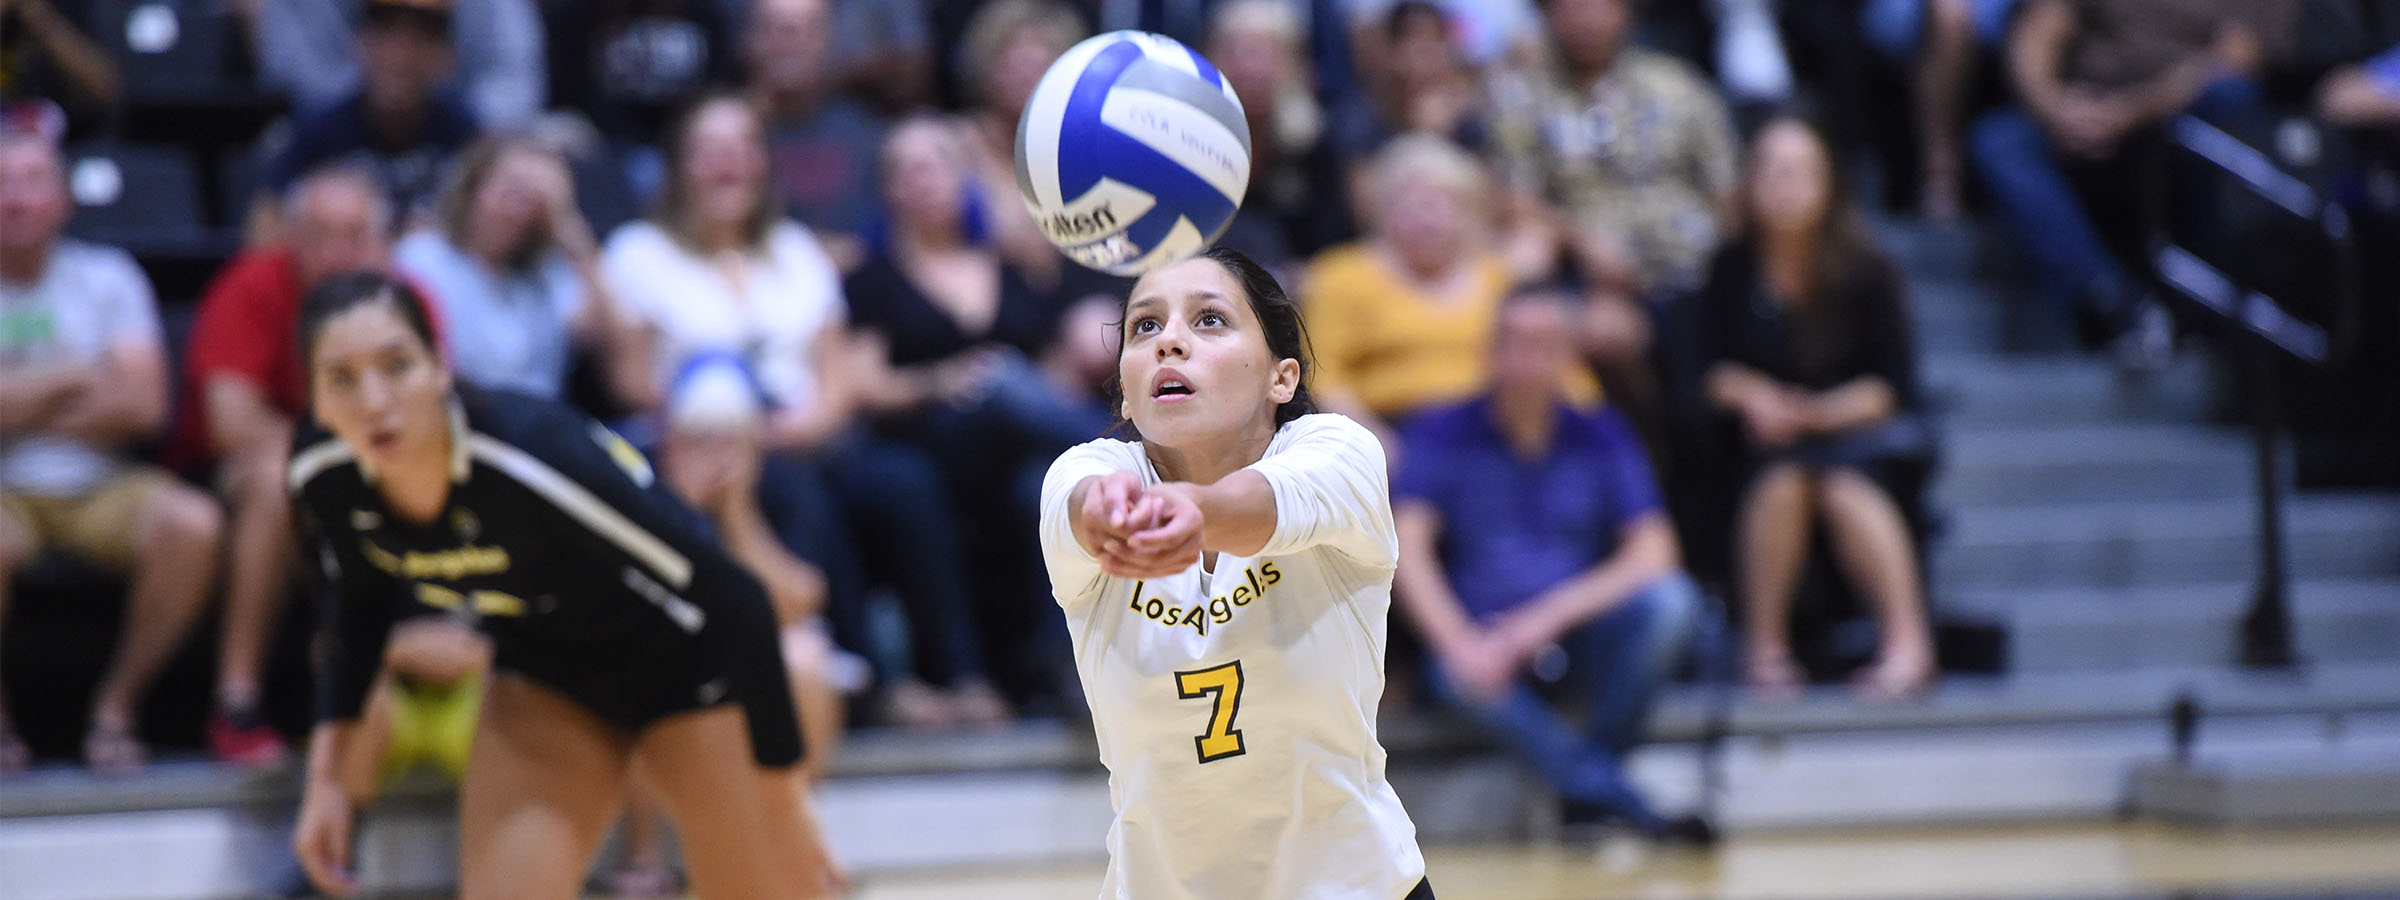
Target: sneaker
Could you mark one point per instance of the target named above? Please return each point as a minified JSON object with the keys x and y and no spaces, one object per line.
{"x":243,"y":737}
{"x":1689,"y":831}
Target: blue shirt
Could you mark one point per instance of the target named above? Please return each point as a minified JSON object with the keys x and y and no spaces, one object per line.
{"x":409,"y":167}
{"x":1514,"y":527}
{"x":508,"y":330}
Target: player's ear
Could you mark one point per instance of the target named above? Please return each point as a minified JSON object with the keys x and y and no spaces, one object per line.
{"x":1286,"y":383}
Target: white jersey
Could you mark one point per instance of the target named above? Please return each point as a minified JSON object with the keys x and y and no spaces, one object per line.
{"x":1236,"y":708}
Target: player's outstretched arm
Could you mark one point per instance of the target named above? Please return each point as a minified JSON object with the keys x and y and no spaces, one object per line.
{"x":321,"y":838}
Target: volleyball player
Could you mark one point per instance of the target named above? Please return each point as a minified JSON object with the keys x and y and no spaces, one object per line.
{"x":621,"y":633}
{"x":1227,"y":578}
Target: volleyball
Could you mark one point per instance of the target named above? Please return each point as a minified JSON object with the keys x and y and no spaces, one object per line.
{"x":1132,"y":152}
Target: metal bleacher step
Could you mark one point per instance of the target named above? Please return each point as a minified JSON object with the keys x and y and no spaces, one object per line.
{"x":2085,"y":629}
{"x":2083,"y":463}
{"x":2116,"y":544}
{"x":1980,"y":390}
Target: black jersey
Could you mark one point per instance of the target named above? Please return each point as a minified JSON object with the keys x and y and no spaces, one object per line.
{"x":557,"y":540}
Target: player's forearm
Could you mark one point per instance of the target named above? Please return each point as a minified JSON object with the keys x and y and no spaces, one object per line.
{"x":1237,"y":512}
{"x":327,"y":747}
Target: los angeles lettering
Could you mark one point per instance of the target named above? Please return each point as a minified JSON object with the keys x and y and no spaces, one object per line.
{"x":444,"y":565}
{"x":1217,"y":611}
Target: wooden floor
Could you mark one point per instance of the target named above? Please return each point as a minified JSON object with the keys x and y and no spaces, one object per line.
{"x":2047,"y":862}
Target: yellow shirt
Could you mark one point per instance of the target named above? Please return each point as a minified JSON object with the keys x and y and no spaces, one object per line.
{"x":1398,"y":349}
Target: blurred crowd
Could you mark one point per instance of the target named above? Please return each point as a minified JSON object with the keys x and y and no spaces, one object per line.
{"x":1598,"y":272}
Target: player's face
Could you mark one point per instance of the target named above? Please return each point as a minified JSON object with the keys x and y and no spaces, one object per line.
{"x":376,"y":385}
{"x":1195,"y":365}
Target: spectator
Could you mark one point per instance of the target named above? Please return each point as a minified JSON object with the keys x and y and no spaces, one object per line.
{"x":83,"y":373}
{"x":398,"y":124}
{"x":1807,"y":345}
{"x":1532,"y":534}
{"x":2366,"y":95}
{"x":1425,"y":86}
{"x":718,"y":269}
{"x":631,"y":65}
{"x":1941,"y":40}
{"x":1289,"y":211}
{"x":1402,"y":321}
{"x":884,"y":51}
{"x":1487,"y":32}
{"x":513,"y":266}
{"x":44,"y":53}
{"x":1633,"y":146}
{"x":305,"y":50}
{"x":824,"y":144}
{"x":954,"y":329}
{"x":2092,"y":76}
{"x":243,"y":390}
{"x":1009,"y":44}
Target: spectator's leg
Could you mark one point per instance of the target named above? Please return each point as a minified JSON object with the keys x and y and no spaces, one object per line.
{"x":808,"y":657}
{"x":175,"y":532}
{"x":16,"y":549}
{"x":1626,"y":654}
{"x":1871,"y":538}
{"x":807,"y":517}
{"x":1578,"y":770}
{"x":896,"y":498}
{"x":2027,"y":182}
{"x":258,"y":570}
{"x":1944,"y":62}
{"x":1776,"y":518}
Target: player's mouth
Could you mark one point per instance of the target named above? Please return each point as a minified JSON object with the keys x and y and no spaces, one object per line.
{"x":1169,"y":386}
{"x":383,"y":440}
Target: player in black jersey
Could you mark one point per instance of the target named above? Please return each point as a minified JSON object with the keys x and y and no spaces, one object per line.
{"x":622,"y":634}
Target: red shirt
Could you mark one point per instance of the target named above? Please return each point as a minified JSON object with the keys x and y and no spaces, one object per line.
{"x":247,"y":329}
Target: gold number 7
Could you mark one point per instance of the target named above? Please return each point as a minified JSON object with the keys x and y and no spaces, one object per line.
{"x":1222,"y":684}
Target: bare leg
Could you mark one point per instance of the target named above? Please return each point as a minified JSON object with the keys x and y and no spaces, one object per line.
{"x":1943,"y":65}
{"x":1871,"y":538}
{"x":175,"y":555}
{"x":806,"y":654}
{"x":256,"y":574}
{"x":543,"y":784}
{"x":1775,"y":527}
{"x":745,"y":831}
{"x":16,"y":548}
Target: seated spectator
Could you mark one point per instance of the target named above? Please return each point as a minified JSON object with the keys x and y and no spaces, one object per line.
{"x":718,"y":269}
{"x":1807,"y":345}
{"x":2366,"y":95}
{"x":711,"y":459}
{"x":1425,"y":86}
{"x":1488,"y":32}
{"x":513,"y":266}
{"x":1941,"y":41}
{"x":1531,"y":535}
{"x":884,"y":53}
{"x":1402,"y":321}
{"x":2093,"y":77}
{"x":243,"y":388}
{"x":44,"y":53}
{"x":1632,"y":145}
{"x":954,"y":330}
{"x":824,"y":143}
{"x":1291,"y":210}
{"x":1008,"y":45}
{"x":306,"y":51}
{"x":83,"y":374}
{"x":399,"y":124}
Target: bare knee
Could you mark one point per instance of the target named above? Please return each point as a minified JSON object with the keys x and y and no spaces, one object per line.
{"x":1846,"y":491}
{"x":181,"y":522}
{"x":1780,"y":484}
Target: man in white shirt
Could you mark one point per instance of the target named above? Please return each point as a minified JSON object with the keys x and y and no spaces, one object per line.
{"x":83,"y":374}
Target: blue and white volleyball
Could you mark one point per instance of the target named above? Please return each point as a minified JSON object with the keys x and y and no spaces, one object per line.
{"x":1132,"y":153}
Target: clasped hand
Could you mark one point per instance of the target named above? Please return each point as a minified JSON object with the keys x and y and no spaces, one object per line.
{"x":1138,"y":530}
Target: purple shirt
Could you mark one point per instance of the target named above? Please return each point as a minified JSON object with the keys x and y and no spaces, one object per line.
{"x":1513,"y":527}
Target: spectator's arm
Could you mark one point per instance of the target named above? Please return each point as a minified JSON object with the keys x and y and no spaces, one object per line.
{"x":508,"y":84}
{"x":1731,"y":385}
{"x":796,"y":588}
{"x":1645,"y":550}
{"x":2036,"y":51}
{"x":31,"y":397}
{"x":2354,"y":96}
{"x":829,"y":412}
{"x":1423,"y":584}
{"x":134,"y":405}
{"x":82,"y":62}
{"x":240,"y":420}
{"x":1861,"y":401}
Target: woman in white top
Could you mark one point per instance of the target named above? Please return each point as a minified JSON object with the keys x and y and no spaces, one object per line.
{"x":1227,"y":578}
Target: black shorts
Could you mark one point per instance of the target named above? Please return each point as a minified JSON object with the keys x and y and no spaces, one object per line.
{"x":632,"y":684}
{"x":1423,"y":891}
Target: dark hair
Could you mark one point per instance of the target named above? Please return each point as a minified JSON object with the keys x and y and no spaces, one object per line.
{"x":1404,"y":13}
{"x":454,"y":205}
{"x":670,"y":211}
{"x":1278,"y":317}
{"x":351,"y":290}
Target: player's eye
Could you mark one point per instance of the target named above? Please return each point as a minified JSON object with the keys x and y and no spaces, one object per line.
{"x":342,"y":379}
{"x":396,"y":366}
{"x":1143,"y":325}
{"x":1213,"y":319}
